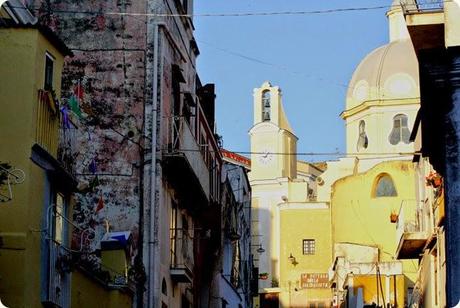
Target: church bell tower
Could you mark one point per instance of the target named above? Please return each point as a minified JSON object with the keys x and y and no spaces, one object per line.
{"x":273,"y":144}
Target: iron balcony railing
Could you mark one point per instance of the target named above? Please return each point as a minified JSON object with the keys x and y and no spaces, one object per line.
{"x":67,"y":150}
{"x":181,"y":249}
{"x":421,"y":6}
{"x":105,"y":275}
{"x":181,"y":141}
{"x":63,"y":259}
{"x":47,"y":119}
{"x":409,"y":219}
{"x":58,"y":288}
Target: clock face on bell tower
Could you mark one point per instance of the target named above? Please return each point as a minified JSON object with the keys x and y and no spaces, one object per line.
{"x":266,"y":157}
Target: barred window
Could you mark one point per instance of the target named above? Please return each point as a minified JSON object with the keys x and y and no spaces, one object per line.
{"x":308,"y":247}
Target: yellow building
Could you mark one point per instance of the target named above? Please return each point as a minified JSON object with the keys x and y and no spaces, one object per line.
{"x":37,"y":267}
{"x":311,"y":220}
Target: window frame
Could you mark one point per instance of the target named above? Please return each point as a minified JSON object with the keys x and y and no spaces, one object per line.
{"x":378,"y":180}
{"x":59,"y":218}
{"x":48,"y":73}
{"x":266,"y":105}
{"x":308,"y":247}
{"x":363,"y":140}
{"x":399,"y":131}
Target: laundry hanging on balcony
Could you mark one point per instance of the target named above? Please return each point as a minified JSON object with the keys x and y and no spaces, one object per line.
{"x":65,"y":117}
{"x":49,"y":98}
{"x":100,"y":204}
{"x":92,"y":166}
{"x":74,"y":105}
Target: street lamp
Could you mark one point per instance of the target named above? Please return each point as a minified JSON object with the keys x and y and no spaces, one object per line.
{"x":260,"y":250}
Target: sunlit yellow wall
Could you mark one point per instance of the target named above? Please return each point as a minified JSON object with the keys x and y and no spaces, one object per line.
{"x":22,"y":63}
{"x":452,"y":23}
{"x":115,"y":260}
{"x":361,"y":218}
{"x":369,"y":285}
{"x":89,"y":293}
{"x":298,"y":222}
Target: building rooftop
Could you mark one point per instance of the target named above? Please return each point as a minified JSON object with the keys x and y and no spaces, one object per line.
{"x":14,"y":14}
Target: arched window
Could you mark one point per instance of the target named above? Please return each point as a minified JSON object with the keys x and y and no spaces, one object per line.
{"x":384,"y":187}
{"x":363,"y":142}
{"x":400,"y":131}
{"x":266,"y":105}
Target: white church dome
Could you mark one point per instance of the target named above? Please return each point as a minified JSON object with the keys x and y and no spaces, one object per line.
{"x":389,"y":72}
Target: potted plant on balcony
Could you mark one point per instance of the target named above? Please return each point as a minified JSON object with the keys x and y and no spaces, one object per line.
{"x":393,"y":217}
{"x":434,"y":179}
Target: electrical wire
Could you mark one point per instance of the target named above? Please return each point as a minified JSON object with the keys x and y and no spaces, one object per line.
{"x":232,"y":14}
{"x":277,"y":66}
{"x":386,"y":155}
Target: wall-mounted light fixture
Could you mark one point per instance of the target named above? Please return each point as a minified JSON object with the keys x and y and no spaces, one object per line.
{"x":292,"y":260}
{"x":260,"y":250}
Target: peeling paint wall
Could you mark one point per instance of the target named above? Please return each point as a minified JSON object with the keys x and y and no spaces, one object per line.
{"x":122,"y":76}
{"x":107,"y":77}
{"x":107,"y":73}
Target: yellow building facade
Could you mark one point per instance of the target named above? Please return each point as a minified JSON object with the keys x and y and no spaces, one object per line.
{"x":324,"y":227}
{"x":36,"y":191}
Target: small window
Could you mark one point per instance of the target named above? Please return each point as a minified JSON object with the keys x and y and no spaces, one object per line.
{"x":49,"y":68}
{"x":308,"y":246}
{"x":59,"y":215}
{"x":400,"y":131}
{"x":363,"y":142}
{"x":266,"y":104}
{"x":164,"y":287}
{"x":384,"y":187}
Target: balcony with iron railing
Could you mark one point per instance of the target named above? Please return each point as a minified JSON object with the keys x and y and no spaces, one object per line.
{"x":67,"y":149}
{"x":64,"y":259}
{"x":411,"y":232}
{"x":181,"y":268}
{"x":56,"y":131}
{"x":47,"y":119}
{"x":425,"y":22}
{"x":421,"y":6}
{"x":186,"y":162}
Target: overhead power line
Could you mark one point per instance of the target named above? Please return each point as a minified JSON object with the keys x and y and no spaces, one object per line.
{"x":274,"y":65}
{"x":227,"y":14}
{"x":397,"y":154}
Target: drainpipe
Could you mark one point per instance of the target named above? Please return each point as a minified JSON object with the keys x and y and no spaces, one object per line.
{"x":151,"y":249}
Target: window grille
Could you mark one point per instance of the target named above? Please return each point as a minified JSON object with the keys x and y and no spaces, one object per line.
{"x":308,"y":246}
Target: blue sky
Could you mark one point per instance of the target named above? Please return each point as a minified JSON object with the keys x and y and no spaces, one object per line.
{"x":313,"y":59}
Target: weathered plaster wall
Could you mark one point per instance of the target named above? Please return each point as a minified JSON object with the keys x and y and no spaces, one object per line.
{"x":108,"y":74}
